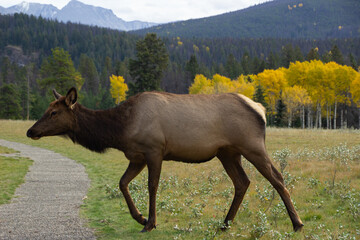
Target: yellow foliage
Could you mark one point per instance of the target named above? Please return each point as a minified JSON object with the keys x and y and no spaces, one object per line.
{"x":244,"y":87}
{"x":303,"y":83}
{"x":221,"y":84}
{"x":201,"y":85}
{"x":180,"y":43}
{"x":294,"y":97}
{"x":355,"y":89}
{"x":118,"y":88}
{"x":273,"y":82}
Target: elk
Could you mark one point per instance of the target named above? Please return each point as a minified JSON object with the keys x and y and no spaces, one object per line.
{"x":154,"y":126}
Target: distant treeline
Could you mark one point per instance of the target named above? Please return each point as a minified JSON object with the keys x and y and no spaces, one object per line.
{"x":26,"y":41}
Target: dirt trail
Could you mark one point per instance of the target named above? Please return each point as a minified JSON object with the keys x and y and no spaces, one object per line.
{"x":47,"y":205}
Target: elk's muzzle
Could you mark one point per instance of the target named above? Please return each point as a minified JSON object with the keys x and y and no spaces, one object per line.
{"x":30,"y":133}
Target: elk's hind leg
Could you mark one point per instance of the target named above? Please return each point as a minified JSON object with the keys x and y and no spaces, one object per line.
{"x":154,"y":163}
{"x":263,"y":164}
{"x":232,"y":164}
{"x":131,"y":172}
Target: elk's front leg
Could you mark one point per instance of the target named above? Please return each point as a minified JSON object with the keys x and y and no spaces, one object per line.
{"x":154,"y":163}
{"x":131,"y":172}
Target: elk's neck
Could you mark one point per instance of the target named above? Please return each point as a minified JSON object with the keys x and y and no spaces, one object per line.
{"x":98,"y":130}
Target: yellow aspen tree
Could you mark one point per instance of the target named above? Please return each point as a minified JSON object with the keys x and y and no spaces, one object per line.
{"x":273,"y":82}
{"x":295,"y":99}
{"x":201,"y":85}
{"x":317,"y":87}
{"x":355,"y":92}
{"x":289,"y":99}
{"x":343,"y":78}
{"x":222,"y":84}
{"x":118,"y":88}
{"x":243,"y":86}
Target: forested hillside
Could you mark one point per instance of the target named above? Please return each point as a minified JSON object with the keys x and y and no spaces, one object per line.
{"x":307,"y":19}
{"x":27,"y":42}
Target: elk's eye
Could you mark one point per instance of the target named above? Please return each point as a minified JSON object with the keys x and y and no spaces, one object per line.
{"x":53,"y":113}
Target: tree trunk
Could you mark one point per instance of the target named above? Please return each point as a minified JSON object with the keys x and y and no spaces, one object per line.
{"x":335,"y":114}
{"x":345,"y":118}
{"x":310,"y":118}
{"x":342,"y":118}
{"x":327,"y":116}
{"x":319,"y":117}
{"x":303,"y":116}
{"x":330,"y":117}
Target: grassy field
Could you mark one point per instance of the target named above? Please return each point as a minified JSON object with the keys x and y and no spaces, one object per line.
{"x":321,"y":169}
{"x":12,"y":173}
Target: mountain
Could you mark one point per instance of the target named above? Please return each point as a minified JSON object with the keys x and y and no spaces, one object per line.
{"x":308,"y":19}
{"x":36,"y":9}
{"x":77,"y":12}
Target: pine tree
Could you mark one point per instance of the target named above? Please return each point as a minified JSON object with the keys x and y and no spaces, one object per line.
{"x":336,"y":55}
{"x":88,"y":72}
{"x":9,"y":102}
{"x":232,"y":67}
{"x":58,"y":72}
{"x":147,"y":70}
{"x":313,"y":55}
{"x":192,"y":67}
{"x":280,"y":113}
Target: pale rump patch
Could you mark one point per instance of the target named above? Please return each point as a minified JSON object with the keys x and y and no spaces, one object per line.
{"x":258,"y":107}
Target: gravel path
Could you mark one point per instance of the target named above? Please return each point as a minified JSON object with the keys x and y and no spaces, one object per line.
{"x":47,"y":205}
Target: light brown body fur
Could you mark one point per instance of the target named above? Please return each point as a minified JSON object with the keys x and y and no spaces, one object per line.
{"x":152,"y":127}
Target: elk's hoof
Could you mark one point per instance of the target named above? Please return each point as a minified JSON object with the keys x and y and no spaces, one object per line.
{"x":298,"y":228}
{"x":225,"y":228}
{"x":148,"y":228}
{"x":144,"y":230}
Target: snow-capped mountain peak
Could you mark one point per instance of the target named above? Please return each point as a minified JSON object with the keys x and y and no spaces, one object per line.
{"x":77,"y":12}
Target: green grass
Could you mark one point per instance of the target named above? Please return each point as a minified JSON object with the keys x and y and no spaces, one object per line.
{"x":194,"y":198}
{"x":5,"y":150}
{"x":12,"y":173}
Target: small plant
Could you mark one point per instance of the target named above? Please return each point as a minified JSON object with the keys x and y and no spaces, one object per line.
{"x":313,"y":183}
{"x":261,"y":227}
{"x":112,"y":192}
{"x":198,"y":209}
{"x":281,"y":156}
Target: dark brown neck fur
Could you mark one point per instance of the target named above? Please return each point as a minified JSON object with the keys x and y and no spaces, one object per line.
{"x":98,"y":130}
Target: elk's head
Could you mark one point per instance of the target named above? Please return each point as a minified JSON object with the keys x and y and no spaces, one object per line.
{"x":58,"y":119}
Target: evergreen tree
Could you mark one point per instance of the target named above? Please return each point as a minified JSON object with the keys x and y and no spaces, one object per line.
{"x":259,"y":95}
{"x":272,"y":61}
{"x":9,"y":102}
{"x":58,"y":72}
{"x":313,"y":54}
{"x":192,"y":67}
{"x":88,"y":72}
{"x":147,"y":70}
{"x":280,"y":114}
{"x":287,"y":55}
{"x":5,"y":67}
{"x":298,"y":56}
{"x":245,"y":63}
{"x":352,"y":62}
{"x":336,"y":55}
{"x":326,"y":57}
{"x":232,"y":67}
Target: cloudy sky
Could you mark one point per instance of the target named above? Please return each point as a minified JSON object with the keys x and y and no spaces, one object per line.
{"x":156,"y":11}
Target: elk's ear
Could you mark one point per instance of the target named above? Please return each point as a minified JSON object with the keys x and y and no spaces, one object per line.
{"x":71,"y":97}
{"x":56,"y":94}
